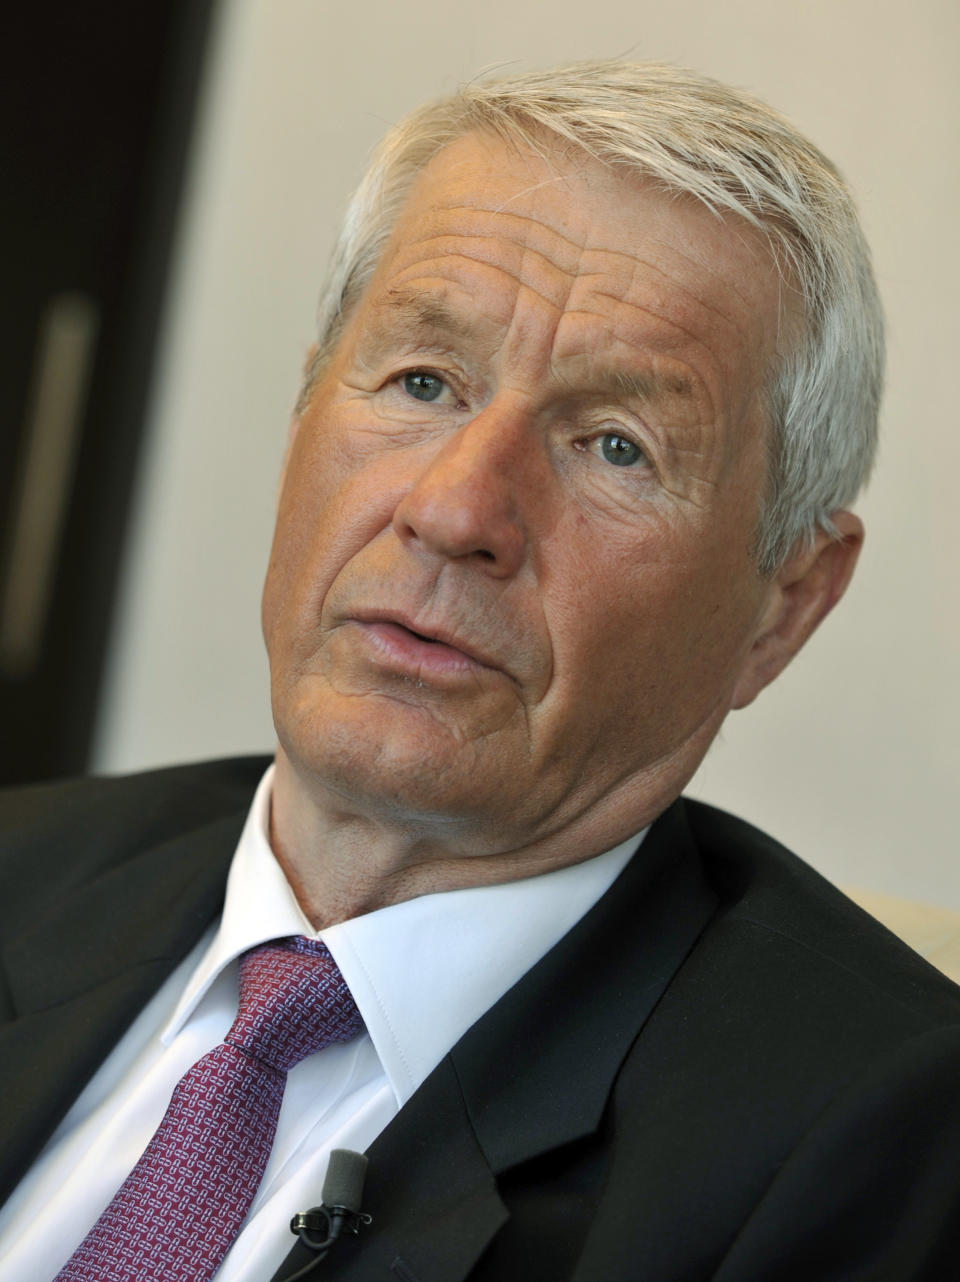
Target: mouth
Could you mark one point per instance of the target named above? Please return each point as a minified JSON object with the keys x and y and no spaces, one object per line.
{"x":418,"y":650}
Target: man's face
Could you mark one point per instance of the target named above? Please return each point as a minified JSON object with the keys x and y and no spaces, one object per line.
{"x":512,"y":587}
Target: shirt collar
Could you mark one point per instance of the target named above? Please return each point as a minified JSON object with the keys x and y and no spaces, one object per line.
{"x":422,"y":971}
{"x":259,"y":905}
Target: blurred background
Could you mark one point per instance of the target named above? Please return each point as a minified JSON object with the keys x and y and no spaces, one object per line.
{"x":174,"y":175}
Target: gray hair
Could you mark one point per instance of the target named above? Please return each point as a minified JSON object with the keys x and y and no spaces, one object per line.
{"x":688,"y":134}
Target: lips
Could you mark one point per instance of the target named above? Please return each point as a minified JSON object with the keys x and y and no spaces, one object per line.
{"x":423,"y":649}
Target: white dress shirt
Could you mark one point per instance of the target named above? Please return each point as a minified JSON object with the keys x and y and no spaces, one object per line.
{"x":421,"y":972}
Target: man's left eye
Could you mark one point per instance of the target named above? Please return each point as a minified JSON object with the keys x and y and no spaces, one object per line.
{"x":620,"y":451}
{"x":423,"y":386}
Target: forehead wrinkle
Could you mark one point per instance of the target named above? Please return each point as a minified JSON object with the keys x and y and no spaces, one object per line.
{"x":526,"y":221}
{"x":521,"y":262}
{"x":637,"y":267}
{"x":512,"y":286}
{"x":536,"y":338}
{"x":569,"y":272}
{"x":583,"y":251}
{"x":573,"y":265}
{"x":644,"y":343}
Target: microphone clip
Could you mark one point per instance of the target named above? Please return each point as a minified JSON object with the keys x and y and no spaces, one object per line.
{"x":329,"y":1222}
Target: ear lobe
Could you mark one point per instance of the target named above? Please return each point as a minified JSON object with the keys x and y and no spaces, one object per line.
{"x":810,"y":583}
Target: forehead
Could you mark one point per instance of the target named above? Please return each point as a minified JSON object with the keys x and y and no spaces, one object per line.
{"x":562,"y":222}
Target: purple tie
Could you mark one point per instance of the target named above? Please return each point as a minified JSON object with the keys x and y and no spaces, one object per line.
{"x":180,"y":1208}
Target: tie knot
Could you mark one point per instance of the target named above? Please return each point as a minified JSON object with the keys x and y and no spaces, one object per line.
{"x":293,"y":1002}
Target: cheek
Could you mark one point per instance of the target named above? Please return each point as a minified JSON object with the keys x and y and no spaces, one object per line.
{"x":651,"y":625}
{"x":332,"y":505}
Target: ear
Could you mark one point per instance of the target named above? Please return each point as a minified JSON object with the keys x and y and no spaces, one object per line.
{"x":810,"y":583}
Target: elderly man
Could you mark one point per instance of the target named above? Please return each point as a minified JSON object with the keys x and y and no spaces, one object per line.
{"x":568,"y":480}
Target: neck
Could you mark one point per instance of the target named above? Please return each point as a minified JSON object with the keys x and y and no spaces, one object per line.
{"x":343,"y":859}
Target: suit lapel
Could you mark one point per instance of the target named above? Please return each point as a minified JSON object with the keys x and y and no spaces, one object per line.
{"x":430,"y":1191}
{"x":571,"y":1020}
{"x":85,"y":967}
{"x":532,"y":1075}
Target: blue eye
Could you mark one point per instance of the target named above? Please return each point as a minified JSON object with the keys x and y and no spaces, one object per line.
{"x":423,"y":386}
{"x":619,"y":451}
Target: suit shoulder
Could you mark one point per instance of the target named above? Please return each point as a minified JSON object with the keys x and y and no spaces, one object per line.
{"x":776,"y":907}
{"x":198,"y":790}
{"x":69,"y":830}
{"x":805,"y":1064}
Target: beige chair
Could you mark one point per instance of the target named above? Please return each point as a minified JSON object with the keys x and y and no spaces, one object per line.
{"x":932,"y":932}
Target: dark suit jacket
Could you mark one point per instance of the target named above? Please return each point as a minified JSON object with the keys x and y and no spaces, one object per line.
{"x":725,"y":1071}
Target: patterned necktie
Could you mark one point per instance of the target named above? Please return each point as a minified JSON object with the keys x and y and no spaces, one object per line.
{"x":179,"y":1210}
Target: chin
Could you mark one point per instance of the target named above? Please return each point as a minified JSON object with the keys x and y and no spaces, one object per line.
{"x":408,"y":773}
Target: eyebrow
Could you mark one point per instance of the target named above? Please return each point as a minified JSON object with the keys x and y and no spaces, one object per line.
{"x":425,"y":312}
{"x":643,"y":386}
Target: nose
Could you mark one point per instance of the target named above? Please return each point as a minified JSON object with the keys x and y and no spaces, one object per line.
{"x":470,"y":501}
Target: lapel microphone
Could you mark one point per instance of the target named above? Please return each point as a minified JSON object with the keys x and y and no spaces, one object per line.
{"x":339,"y":1213}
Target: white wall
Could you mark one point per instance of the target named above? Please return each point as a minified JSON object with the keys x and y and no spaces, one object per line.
{"x":852,"y":757}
